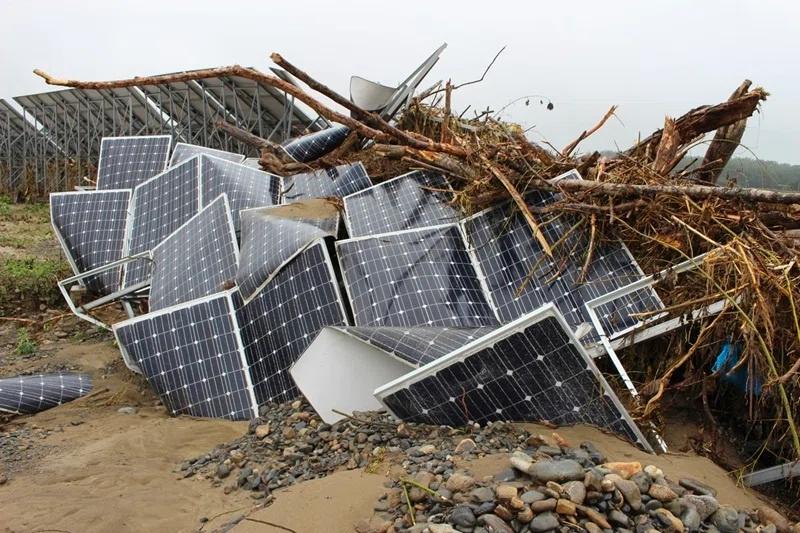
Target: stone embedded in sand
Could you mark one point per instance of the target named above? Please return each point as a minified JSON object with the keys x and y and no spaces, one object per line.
{"x":670,"y":521}
{"x":463,"y":516}
{"x":630,"y":492}
{"x":495,"y":523}
{"x":262,"y":431}
{"x":662,"y":493}
{"x":505,"y":492}
{"x":459,"y":482}
{"x":626,"y":470}
{"x":558,"y":471}
{"x":705,"y":505}
{"x":125,"y":410}
{"x":223,"y":471}
{"x":441,"y":528}
{"x":465,"y":446}
{"x":544,"y":522}
{"x":521,"y":464}
{"x":697,"y":487}
{"x":566,"y":507}
{"x":427,"y":449}
{"x":768,"y":515}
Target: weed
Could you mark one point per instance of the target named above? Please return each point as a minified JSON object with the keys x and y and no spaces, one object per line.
{"x":32,"y":279}
{"x":5,"y":200}
{"x":25,"y":345}
{"x":12,"y":241}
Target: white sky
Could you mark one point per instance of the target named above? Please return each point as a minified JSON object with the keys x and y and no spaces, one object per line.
{"x":651,"y":58}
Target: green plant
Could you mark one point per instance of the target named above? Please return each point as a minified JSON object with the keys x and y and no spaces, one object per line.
{"x":25,"y":345}
{"x":31,"y":278}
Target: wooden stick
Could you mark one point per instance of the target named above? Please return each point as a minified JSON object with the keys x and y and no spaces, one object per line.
{"x":446,"y":119}
{"x":726,"y":141}
{"x":574,"y":144}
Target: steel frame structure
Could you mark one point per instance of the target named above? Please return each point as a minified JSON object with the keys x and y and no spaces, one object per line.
{"x":54,"y":143}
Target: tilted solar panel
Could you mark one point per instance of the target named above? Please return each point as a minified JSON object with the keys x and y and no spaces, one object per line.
{"x":184,"y":151}
{"x":30,"y":394}
{"x":315,"y":145}
{"x":125,"y":162}
{"x":338,"y":181}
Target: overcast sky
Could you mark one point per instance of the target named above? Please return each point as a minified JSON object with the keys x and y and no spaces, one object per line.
{"x":651,"y":58}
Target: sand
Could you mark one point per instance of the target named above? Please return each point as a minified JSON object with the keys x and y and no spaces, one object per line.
{"x":115,"y":472}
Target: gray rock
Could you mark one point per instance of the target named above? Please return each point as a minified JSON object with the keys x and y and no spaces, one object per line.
{"x":462,"y":516}
{"x":691,"y":519}
{"x":441,"y":528}
{"x":533,"y":496}
{"x":726,"y":519}
{"x":509,"y":474}
{"x":642,"y":480}
{"x":544,"y":522}
{"x":630,"y":491}
{"x":576,"y":491}
{"x":483,"y":494}
{"x":480,"y":530}
{"x":769,"y":528}
{"x":652,"y":505}
{"x":591,"y":527}
{"x":495,"y":523}
{"x":705,"y":505}
{"x":127,"y":410}
{"x":485,"y":508}
{"x":223,"y":471}
{"x":697,"y":487}
{"x":552,"y":451}
{"x":558,"y":471}
{"x":618,"y":518}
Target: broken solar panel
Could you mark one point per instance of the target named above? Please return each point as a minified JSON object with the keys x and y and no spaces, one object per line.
{"x":338,"y":181}
{"x":272,"y":236}
{"x":125,"y":162}
{"x":414,"y":278}
{"x":184,"y":151}
{"x":26,"y":395}
{"x":252,"y":162}
{"x":192,"y":357}
{"x":244,"y":186}
{"x":159,"y":206}
{"x":415,"y":200}
{"x":532,"y":369}
{"x":197,"y":259}
{"x":315,"y":145}
{"x":286,"y":315}
{"x":521,"y":278}
{"x":91,"y":228}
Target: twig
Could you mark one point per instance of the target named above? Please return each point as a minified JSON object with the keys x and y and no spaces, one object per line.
{"x":223,"y":514}
{"x":446,"y":119}
{"x":273,"y":524}
{"x":410,"y":507}
{"x":426,"y":489}
{"x":568,"y":150}
{"x":485,"y":72}
{"x":14,"y":319}
{"x":589,"y":253}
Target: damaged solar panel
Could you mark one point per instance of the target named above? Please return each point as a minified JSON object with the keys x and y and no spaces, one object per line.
{"x":184,"y":151}
{"x":315,"y":145}
{"x":125,"y":162}
{"x":30,"y":394}
{"x":338,"y":181}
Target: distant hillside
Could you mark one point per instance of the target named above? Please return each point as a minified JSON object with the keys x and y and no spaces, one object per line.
{"x":751,"y":173}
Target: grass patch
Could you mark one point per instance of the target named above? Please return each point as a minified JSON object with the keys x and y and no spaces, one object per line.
{"x":25,"y":344}
{"x":13,"y":241}
{"x":31,"y":279}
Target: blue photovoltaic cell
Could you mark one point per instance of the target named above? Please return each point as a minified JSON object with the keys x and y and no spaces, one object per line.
{"x":125,"y":162}
{"x":337,"y":181}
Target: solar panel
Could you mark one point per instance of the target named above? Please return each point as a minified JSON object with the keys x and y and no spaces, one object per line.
{"x":411,"y":278}
{"x":159,"y":206}
{"x":252,"y":162}
{"x":532,"y":369}
{"x":273,"y":236}
{"x":414,"y":200}
{"x":521,"y":277}
{"x":197,"y":259}
{"x":125,"y":162}
{"x":245,"y":187}
{"x":192,"y":357}
{"x":282,"y":320}
{"x":26,"y":395}
{"x":90,"y":226}
{"x":315,"y":145}
{"x":337,"y":181}
{"x":184,"y":151}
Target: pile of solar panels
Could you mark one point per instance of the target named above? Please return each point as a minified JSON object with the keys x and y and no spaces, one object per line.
{"x":257,"y":293}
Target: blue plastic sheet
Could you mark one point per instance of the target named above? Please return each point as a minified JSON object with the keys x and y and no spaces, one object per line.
{"x":740,"y":379}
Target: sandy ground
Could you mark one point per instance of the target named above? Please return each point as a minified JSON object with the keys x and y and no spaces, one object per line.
{"x":114,"y":472}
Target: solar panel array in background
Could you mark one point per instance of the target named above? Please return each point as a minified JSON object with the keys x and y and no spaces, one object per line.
{"x":414,"y":278}
{"x":91,"y":226}
{"x":125,"y":162}
{"x":244,"y":186}
{"x":271,"y":236}
{"x":192,"y":358}
{"x":159,"y":207}
{"x":533,"y":370}
{"x":337,"y":181}
{"x":30,"y":394}
{"x":184,"y":151}
{"x":196,"y":260}
{"x":315,"y":145}
{"x":285,"y":317}
{"x":405,"y":202}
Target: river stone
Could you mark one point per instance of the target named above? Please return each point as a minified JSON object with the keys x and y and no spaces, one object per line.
{"x":697,"y":487}
{"x":618,"y":518}
{"x":495,"y":523}
{"x":526,"y":515}
{"x":626,"y":470}
{"x":483,"y":494}
{"x":630,"y":491}
{"x":552,"y":451}
{"x":558,"y":471}
{"x":544,"y":505}
{"x":662,"y":493}
{"x":593,"y":481}
{"x":691,"y":519}
{"x":441,"y":528}
{"x":532,"y":496}
{"x":485,"y":508}
{"x":505,"y":492}
{"x":769,"y":528}
{"x":769,"y":515}
{"x":544,"y":522}
{"x":642,"y":481}
{"x":591,"y":527}
{"x":652,"y":505}
{"x":669,"y":520}
{"x":503,"y":512}
{"x":459,"y":482}
{"x":465,"y":446}
{"x":726,"y":519}
{"x":509,"y":474}
{"x":576,"y":491}
{"x":521,"y":464}
{"x":566,"y":507}
{"x":463,"y":516}
{"x":706,"y":505}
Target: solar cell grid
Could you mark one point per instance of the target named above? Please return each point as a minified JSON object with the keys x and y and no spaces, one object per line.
{"x":315,"y":145}
{"x":31,"y":394}
{"x":192,"y":357}
{"x":414,"y":278}
{"x":91,"y":228}
{"x":197,"y":259}
{"x":125,"y":162}
{"x":337,"y":181}
{"x":414,"y":200}
{"x":184,"y":151}
{"x":285,"y":317}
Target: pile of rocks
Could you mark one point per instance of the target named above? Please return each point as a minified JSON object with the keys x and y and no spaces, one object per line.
{"x":289,"y":443}
{"x":562,"y":489}
{"x":21,"y":446}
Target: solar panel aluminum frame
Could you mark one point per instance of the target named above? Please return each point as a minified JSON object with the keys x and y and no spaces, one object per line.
{"x":166,"y":159}
{"x":204,"y":150}
{"x":517,"y":326}
{"x":130,"y":363}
